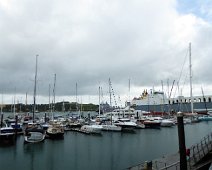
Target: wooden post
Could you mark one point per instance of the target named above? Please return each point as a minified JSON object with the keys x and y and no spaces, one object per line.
{"x":16,"y":125}
{"x":45,"y":118}
{"x":2,"y":115}
{"x":89,"y":118}
{"x":181,"y":137}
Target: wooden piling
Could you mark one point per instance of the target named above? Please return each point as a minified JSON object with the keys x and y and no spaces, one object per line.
{"x":181,"y":137}
{"x":2,"y":115}
{"x":45,"y":118}
{"x":16,"y":125}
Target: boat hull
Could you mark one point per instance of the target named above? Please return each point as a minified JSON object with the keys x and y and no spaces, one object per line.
{"x":34,"y":137}
{"x":55,"y":133}
{"x":7,"y":138}
{"x":34,"y":134}
{"x":91,"y":128}
{"x":160,"y":109}
{"x":152,"y":124}
{"x":111,"y":128}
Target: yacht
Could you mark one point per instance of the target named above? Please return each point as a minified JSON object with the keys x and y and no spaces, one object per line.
{"x":125,"y":123}
{"x":7,"y":135}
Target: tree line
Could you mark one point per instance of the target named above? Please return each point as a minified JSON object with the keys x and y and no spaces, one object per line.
{"x":60,"y":106}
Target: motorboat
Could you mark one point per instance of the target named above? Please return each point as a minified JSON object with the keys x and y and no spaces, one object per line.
{"x":111,"y":127}
{"x":150,"y":121}
{"x":92,"y":128}
{"x":55,"y":132}
{"x":167,"y":123}
{"x":152,"y":124}
{"x":34,"y":133}
{"x":7,"y":135}
{"x":119,"y":113}
{"x":125,"y":123}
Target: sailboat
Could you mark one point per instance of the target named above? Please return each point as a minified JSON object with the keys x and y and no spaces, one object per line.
{"x":7,"y":135}
{"x":54,"y":131}
{"x":107,"y":125}
{"x":92,"y":128}
{"x":190,"y":80}
{"x":45,"y":120}
{"x":34,"y":132}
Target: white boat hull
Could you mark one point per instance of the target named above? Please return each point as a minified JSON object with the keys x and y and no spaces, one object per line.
{"x":111,"y":128}
{"x":34,"y":137}
{"x":92,"y":128}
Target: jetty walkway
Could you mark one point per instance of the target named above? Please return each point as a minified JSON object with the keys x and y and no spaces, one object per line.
{"x":199,"y":158}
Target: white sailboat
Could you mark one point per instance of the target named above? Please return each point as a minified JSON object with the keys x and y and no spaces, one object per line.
{"x":191,"y":88}
{"x":105,"y":125}
{"x":55,"y":130}
{"x":94,"y":128}
{"x":34,"y":132}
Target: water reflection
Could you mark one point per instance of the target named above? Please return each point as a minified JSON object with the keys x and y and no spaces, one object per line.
{"x":112,"y":151}
{"x":33,"y":154}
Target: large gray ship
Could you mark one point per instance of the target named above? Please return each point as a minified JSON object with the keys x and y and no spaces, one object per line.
{"x":157,"y":102}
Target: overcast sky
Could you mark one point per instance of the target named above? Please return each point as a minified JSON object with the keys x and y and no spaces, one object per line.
{"x":89,"y":41}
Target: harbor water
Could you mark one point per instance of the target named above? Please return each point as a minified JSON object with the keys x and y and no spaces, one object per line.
{"x":109,"y":151}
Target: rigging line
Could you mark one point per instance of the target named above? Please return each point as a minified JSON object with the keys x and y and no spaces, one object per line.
{"x":112,"y":92}
{"x":176,"y":89}
{"x":178,"y":82}
{"x":204,"y":100}
{"x":102,"y":95}
{"x":120,"y":100}
{"x":183,"y":66}
{"x":171,"y":89}
{"x":186,"y":77}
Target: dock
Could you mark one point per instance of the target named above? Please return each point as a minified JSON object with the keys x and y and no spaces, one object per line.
{"x":200,"y":158}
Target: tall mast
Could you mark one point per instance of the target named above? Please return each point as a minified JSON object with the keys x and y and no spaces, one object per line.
{"x":1,"y":103}
{"x":99,"y":101}
{"x":54,"y":92}
{"x":26,"y":100}
{"x":76,"y":99}
{"x":53,"y":101}
{"x":14,"y":103}
{"x":1,"y":118}
{"x":35,"y":89}
{"x":163,"y":100}
{"x":129,"y":91}
{"x":190,"y":73}
{"x":49,"y":98}
{"x":110,"y":93}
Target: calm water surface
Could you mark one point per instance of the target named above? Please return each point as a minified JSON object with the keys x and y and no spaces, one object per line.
{"x":110,"y":151}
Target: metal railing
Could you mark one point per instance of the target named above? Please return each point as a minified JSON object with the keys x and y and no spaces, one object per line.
{"x":174,"y":166}
{"x":197,"y":153}
{"x":200,"y":150}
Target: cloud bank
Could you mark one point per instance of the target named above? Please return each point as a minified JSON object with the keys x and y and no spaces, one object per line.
{"x":89,"y":41}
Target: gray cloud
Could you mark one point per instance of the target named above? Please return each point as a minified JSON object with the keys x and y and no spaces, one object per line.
{"x":89,"y":41}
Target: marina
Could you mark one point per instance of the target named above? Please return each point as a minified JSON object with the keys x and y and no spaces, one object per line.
{"x":110,"y":150}
{"x":105,"y":85}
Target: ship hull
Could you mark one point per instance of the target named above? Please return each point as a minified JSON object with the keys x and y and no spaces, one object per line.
{"x":200,"y":108}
